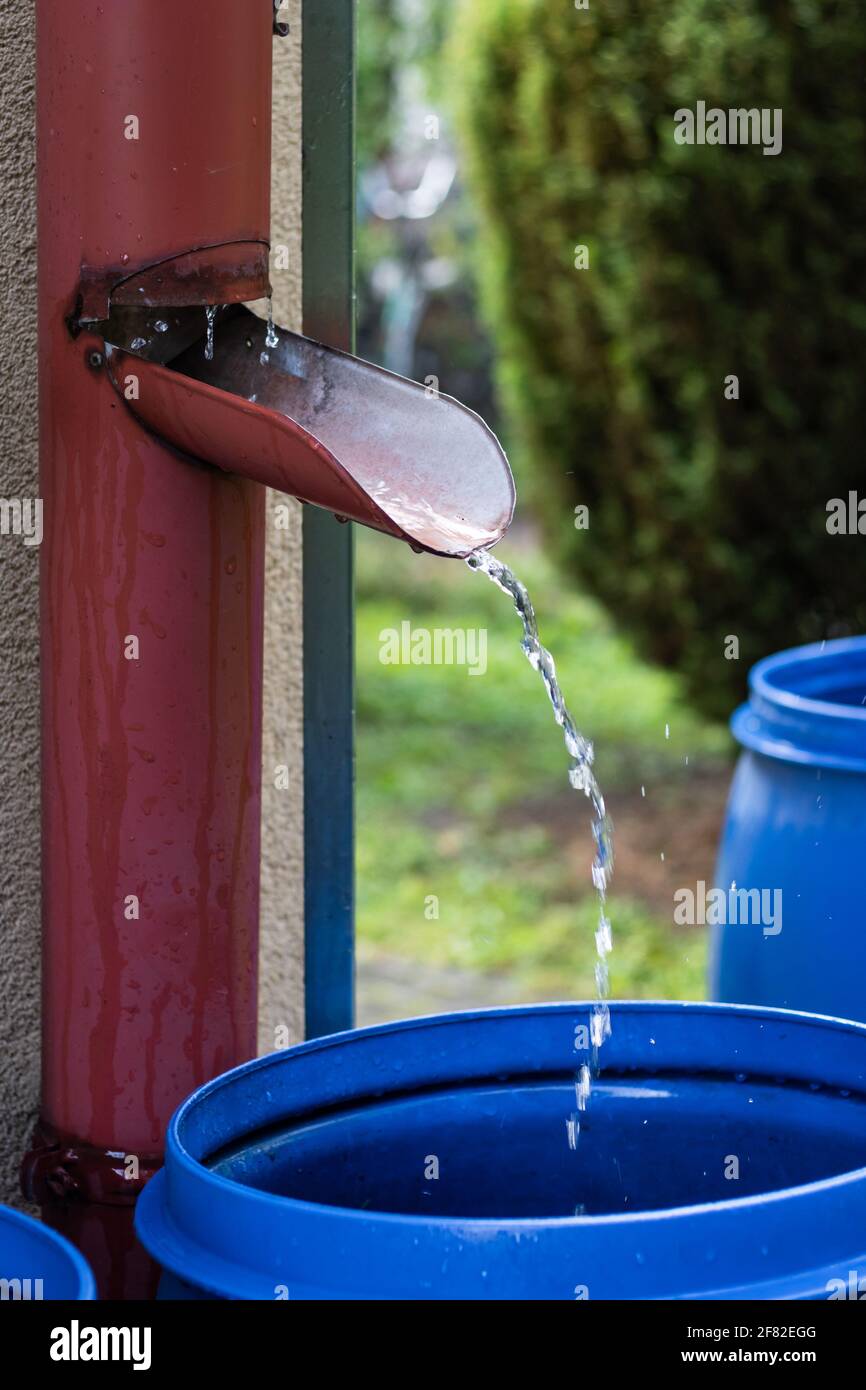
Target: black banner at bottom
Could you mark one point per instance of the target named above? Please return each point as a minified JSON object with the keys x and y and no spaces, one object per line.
{"x":219,"y":1339}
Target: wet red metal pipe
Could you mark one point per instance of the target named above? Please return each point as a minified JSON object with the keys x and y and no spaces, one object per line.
{"x":153,"y":181}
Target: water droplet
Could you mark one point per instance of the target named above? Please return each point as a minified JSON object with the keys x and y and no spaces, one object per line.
{"x":271,"y":338}
{"x":210,"y":313}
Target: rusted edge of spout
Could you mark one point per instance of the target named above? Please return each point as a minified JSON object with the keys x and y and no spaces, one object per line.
{"x":226,"y":273}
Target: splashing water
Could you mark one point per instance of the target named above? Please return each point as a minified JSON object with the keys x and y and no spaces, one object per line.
{"x":272,"y":339}
{"x":210,"y":313}
{"x":582,"y":778}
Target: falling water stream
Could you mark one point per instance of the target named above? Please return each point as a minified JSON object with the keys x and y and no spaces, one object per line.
{"x":271,"y":336}
{"x":582,"y":778}
{"x":210,"y":314}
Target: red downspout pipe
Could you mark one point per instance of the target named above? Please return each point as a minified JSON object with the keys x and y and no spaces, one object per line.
{"x":153,"y":189}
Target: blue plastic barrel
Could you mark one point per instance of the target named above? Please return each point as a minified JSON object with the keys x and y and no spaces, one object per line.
{"x":721,"y":1157}
{"x":795,"y":834}
{"x":36,"y":1263}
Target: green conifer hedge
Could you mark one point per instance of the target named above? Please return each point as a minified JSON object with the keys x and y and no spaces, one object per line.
{"x":707,"y":515}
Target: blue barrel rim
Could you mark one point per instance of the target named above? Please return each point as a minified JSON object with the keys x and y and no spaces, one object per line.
{"x":786,"y":719}
{"x":39,"y":1233}
{"x":177,"y":1250}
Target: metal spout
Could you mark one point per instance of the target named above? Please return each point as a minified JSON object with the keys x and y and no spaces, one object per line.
{"x":321,"y":425}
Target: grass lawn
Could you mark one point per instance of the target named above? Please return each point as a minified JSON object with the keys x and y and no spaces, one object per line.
{"x":463,"y":796}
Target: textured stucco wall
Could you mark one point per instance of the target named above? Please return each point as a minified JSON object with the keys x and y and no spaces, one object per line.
{"x":19,"y":651}
{"x":281,"y":959}
{"x":282,"y":824}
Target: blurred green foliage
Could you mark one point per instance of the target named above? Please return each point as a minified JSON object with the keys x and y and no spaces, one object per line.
{"x":379,"y":54}
{"x":463,"y":790}
{"x":707,"y":515}
{"x":393,"y":36}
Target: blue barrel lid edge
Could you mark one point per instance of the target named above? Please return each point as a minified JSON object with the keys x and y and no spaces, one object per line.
{"x":784,"y":717}
{"x":162,"y":1227}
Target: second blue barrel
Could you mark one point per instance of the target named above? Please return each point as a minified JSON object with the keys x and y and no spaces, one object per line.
{"x":36,"y":1263}
{"x":792,"y":862}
